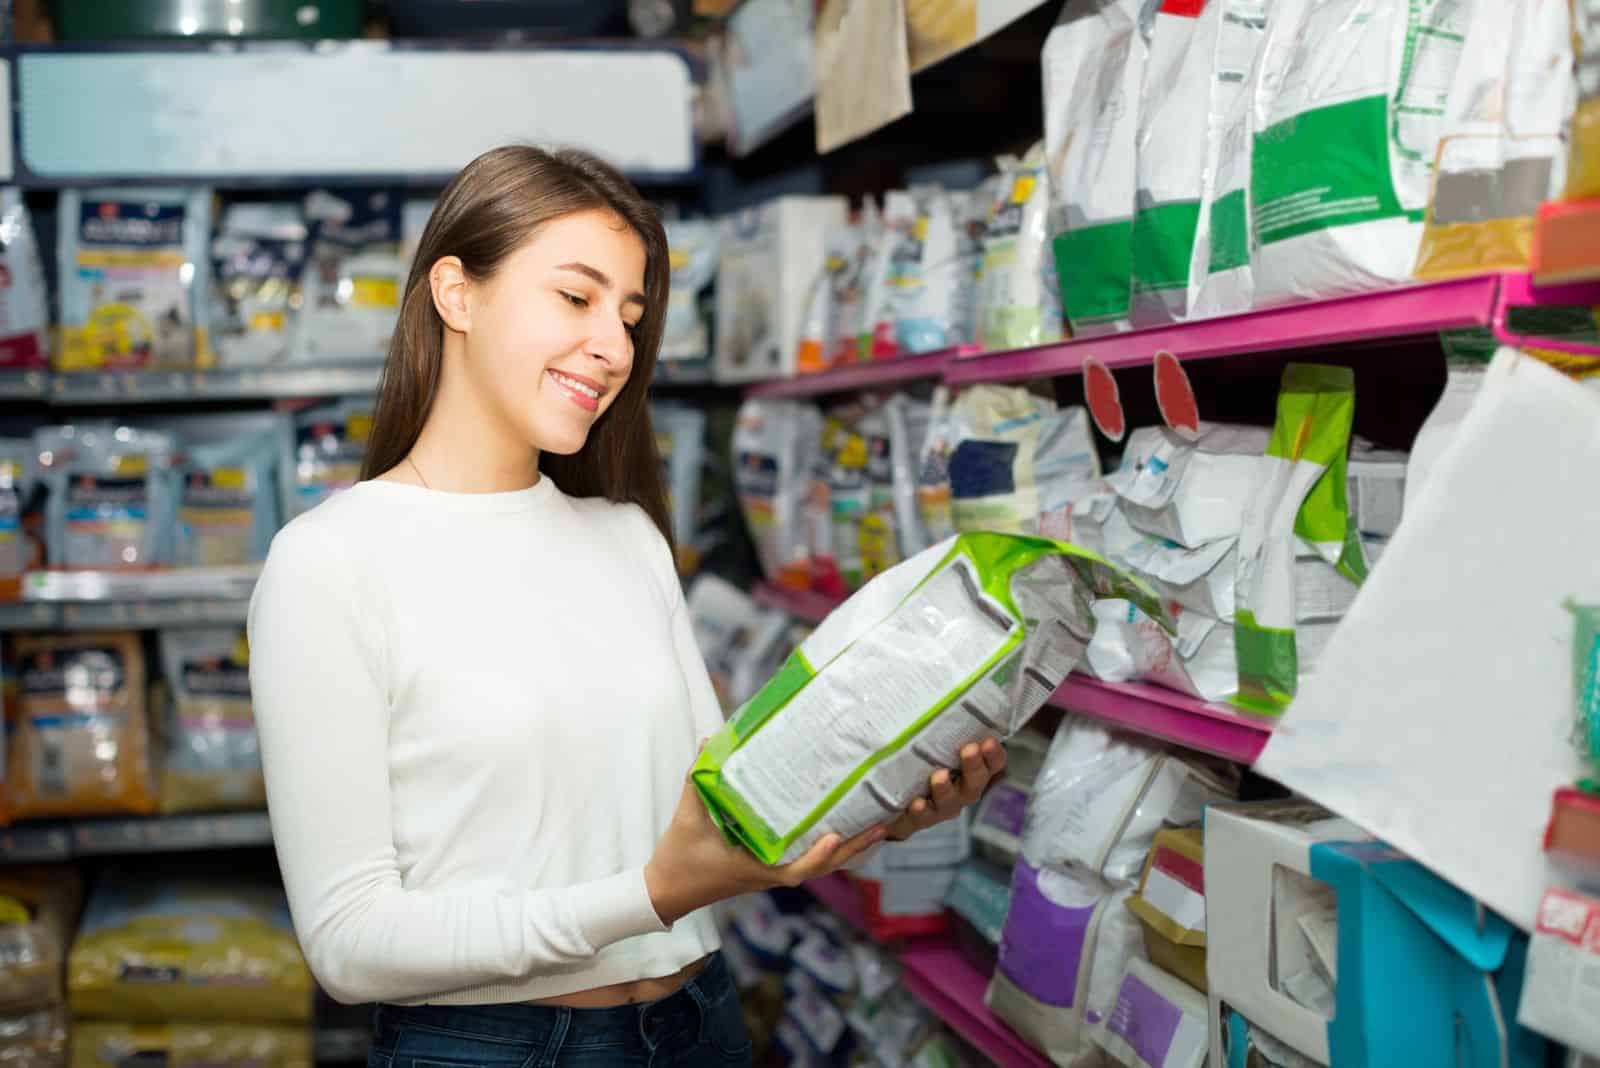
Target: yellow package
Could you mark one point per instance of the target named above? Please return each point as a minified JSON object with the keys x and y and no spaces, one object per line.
{"x":189,"y":1045}
{"x":38,"y":908}
{"x":36,"y":1039}
{"x":1171,"y":905}
{"x":157,"y":950}
{"x":81,"y":742}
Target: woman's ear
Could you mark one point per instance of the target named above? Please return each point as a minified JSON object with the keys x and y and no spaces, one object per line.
{"x":450,"y":285}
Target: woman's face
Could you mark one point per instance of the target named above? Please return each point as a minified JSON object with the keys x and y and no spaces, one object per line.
{"x":550,"y":342}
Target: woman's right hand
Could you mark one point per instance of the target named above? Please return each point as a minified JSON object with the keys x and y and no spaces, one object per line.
{"x":694,"y":865}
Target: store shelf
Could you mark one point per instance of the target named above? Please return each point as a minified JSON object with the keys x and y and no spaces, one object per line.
{"x":879,"y":375}
{"x":801,"y":604}
{"x":160,"y":387}
{"x":23,"y":385}
{"x":1168,"y":715}
{"x":30,"y":843}
{"x":943,"y":980}
{"x":1566,"y":243}
{"x":95,"y":600}
{"x":1391,"y":313}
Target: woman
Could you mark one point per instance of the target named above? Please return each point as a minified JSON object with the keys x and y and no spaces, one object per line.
{"x":475,"y":683}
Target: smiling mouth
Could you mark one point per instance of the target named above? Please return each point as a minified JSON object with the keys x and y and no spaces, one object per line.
{"x":578,"y":392}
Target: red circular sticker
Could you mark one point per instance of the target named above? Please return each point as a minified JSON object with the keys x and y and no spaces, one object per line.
{"x":1104,"y":399}
{"x":1175,"y":396}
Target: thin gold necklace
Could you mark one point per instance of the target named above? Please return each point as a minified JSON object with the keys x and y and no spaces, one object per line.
{"x":418,"y":470}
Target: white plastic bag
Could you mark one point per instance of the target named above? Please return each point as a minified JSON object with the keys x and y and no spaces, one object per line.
{"x":1017,"y":309}
{"x":1192,"y":493}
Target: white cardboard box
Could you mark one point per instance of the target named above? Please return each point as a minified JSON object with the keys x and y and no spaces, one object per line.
{"x":771,"y":255}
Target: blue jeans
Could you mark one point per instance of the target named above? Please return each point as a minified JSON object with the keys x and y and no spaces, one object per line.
{"x":699,"y":1026}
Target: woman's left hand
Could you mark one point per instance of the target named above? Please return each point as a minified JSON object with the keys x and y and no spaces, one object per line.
{"x":950,"y":792}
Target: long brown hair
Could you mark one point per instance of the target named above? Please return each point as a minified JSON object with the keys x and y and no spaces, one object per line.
{"x":487,"y":212}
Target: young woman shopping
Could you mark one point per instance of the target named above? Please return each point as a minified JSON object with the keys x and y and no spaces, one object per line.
{"x":475,"y":683}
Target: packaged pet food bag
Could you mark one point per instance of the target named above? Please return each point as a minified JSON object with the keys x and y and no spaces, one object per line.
{"x":324,"y":453}
{"x":157,"y":948}
{"x":38,"y":908}
{"x":963,"y":641}
{"x":259,"y":255}
{"x":134,"y":278}
{"x":227,"y":500}
{"x":774,"y":446}
{"x":80,"y":742}
{"x":24,"y":308}
{"x":112,"y":495}
{"x":213,"y":760}
{"x":1583,"y":163}
{"x":353,"y":277}
{"x":103,"y":1044}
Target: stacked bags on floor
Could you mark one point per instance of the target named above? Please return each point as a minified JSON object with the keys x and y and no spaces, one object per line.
{"x":188,"y":972}
{"x":1070,"y":937}
{"x":1192,"y":143}
{"x":38,"y":907}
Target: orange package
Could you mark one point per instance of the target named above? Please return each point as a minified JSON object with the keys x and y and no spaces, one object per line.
{"x":80,"y":742}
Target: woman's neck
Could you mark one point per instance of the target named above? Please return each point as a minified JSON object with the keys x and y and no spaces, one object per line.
{"x":465,"y":447}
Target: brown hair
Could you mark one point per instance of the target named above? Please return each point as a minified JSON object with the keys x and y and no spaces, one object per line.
{"x":487,"y":212}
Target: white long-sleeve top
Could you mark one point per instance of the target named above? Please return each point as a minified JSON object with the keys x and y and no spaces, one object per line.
{"x":476,"y":713}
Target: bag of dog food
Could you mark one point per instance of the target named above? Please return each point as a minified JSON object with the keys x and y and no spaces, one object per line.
{"x":101,"y":1044}
{"x":964,"y":641}
{"x":213,"y":760}
{"x":693,"y":249}
{"x":858,"y":246}
{"x":111,"y":495}
{"x":914,"y":310}
{"x":80,"y":743}
{"x":1016,"y":308}
{"x":1350,"y":103}
{"x":1501,"y":150}
{"x":24,"y":307}
{"x":681,"y":441}
{"x":933,"y":470}
{"x":1094,"y":63}
{"x":153,"y":949}
{"x":325,"y":454}
{"x":1011,"y":449}
{"x":1190,"y":492}
{"x":17,"y":552}
{"x":228,"y":500}
{"x":773,"y":446}
{"x":38,"y":908}
{"x":259,"y":256}
{"x":134,"y":278}
{"x":353,"y":277}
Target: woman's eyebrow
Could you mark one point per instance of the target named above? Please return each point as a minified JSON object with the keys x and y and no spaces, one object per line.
{"x":599,"y":278}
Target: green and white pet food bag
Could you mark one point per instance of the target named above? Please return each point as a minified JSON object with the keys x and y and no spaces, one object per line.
{"x":1172,"y":142}
{"x":1093,"y":65}
{"x":963,"y":641}
{"x":1223,"y":244}
{"x":1301,"y":501}
{"x":1349,"y":107}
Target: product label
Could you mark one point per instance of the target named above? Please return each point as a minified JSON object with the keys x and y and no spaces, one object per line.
{"x":1561,"y":994}
{"x":131,"y":263}
{"x":84,"y":677}
{"x":1176,"y":888}
{"x":1043,"y":945}
{"x":217,"y":516}
{"x":1324,"y":168}
{"x":106,"y":521}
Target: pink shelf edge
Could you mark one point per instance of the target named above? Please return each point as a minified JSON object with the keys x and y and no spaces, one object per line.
{"x":942,"y":979}
{"x":860,"y":376}
{"x":1167,"y":715}
{"x":1423,"y":308}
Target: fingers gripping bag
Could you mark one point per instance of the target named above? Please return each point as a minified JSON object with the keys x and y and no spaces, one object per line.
{"x":228,"y":500}
{"x":963,"y":641}
{"x":773,"y":446}
{"x":1303,"y":499}
{"x":153,"y":949}
{"x":213,"y":760}
{"x":1501,"y":150}
{"x":324,"y":455}
{"x":112,"y":495}
{"x":100,"y":1044}
{"x":353,"y":277}
{"x":1016,"y":309}
{"x":134,"y":278}
{"x":1093,"y":68}
{"x":80,"y":742}
{"x":1172,"y":147}
{"x":24,"y":306}
{"x":1349,"y":106}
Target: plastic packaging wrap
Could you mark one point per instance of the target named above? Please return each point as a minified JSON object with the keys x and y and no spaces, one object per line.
{"x":325,"y":455}
{"x":1200,"y":660}
{"x":213,"y":760}
{"x":1016,"y":309}
{"x":1501,"y":151}
{"x":961,"y":642}
{"x":24,"y":307}
{"x":353,"y":277}
{"x":40,"y":909}
{"x":134,"y":278}
{"x":227,"y":499}
{"x":259,"y":255}
{"x":773,"y":446}
{"x":1093,"y":65}
{"x":97,"y":1044}
{"x":161,"y":949}
{"x":111,"y":495}
{"x":1101,"y":797}
{"x":80,"y":743}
